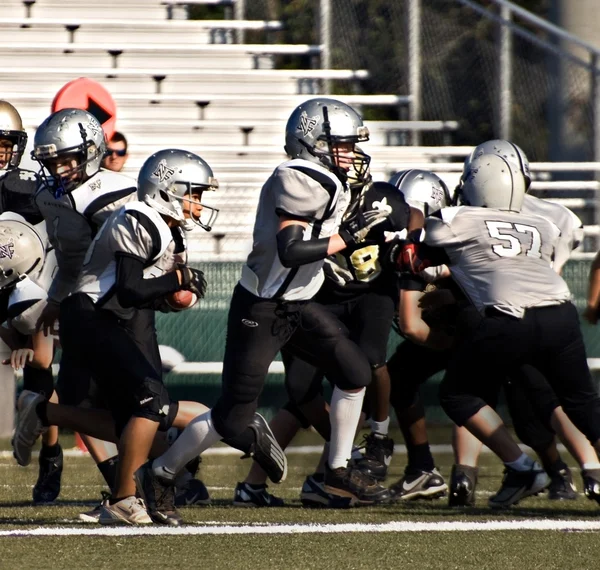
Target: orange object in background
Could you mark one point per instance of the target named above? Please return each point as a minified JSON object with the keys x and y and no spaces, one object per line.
{"x":84,"y":93}
{"x":79,"y":442}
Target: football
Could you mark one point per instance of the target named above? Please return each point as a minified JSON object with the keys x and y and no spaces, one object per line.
{"x":181,"y":300}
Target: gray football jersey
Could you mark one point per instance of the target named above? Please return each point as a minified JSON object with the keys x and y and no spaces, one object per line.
{"x":134,"y":229}
{"x":570,"y":226}
{"x":73,"y":219}
{"x":500,"y":259}
{"x":303,"y":190}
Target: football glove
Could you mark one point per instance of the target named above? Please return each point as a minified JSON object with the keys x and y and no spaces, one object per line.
{"x":192,"y":280}
{"x":356,"y":229}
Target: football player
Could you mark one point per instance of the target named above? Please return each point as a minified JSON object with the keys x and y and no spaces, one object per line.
{"x":360,"y":290}
{"x":17,"y":191}
{"x":297,"y":226}
{"x":502,"y":258}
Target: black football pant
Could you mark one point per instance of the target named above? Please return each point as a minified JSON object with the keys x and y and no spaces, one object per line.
{"x":529,"y":397}
{"x":368,"y":319}
{"x":257,"y":329}
{"x":547,"y":338}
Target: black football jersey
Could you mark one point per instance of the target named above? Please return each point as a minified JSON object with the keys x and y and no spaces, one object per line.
{"x":17,"y":192}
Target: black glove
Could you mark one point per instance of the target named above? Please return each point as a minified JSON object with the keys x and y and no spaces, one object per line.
{"x":357,"y":228}
{"x":192,"y":280}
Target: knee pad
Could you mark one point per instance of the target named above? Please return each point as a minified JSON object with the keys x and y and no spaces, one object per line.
{"x":39,"y":380}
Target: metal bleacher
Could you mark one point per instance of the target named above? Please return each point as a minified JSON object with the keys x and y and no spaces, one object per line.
{"x":187,"y":84}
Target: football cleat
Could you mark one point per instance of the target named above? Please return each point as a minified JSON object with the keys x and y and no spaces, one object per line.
{"x":159,"y":495}
{"x":47,"y":487}
{"x":463,"y":482}
{"x":419,"y":484}
{"x":561,"y":486}
{"x":247,"y":495}
{"x":130,"y":510}
{"x":516,"y":485}
{"x":93,"y":516}
{"x":591,"y":484}
{"x":266,"y":451}
{"x":29,"y":426}
{"x":192,"y":492}
{"x":377,"y":456}
{"x":314,"y":495}
{"x":355,"y":485}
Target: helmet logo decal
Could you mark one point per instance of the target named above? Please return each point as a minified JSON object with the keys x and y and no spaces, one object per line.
{"x":307,"y":124}
{"x":163,"y":172}
{"x":437,"y":194}
{"x":382,"y":205}
{"x":7,"y":250}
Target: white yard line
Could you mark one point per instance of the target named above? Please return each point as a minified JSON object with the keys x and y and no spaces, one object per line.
{"x":393,"y":527}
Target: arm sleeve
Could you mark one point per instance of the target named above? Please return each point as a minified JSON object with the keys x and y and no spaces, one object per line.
{"x":132,"y":290}
{"x":294,"y":251}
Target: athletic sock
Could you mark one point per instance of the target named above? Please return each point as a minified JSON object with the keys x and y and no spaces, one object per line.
{"x":380,"y":428}
{"x":108,"y":469}
{"x":198,"y":436}
{"x":50,"y":450}
{"x":524,"y":463}
{"x":419,"y":457}
{"x":344,"y":414}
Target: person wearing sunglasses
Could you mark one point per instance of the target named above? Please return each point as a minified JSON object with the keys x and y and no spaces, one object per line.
{"x":116,"y":153}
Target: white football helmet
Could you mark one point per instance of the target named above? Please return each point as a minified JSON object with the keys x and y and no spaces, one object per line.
{"x":422,"y":189}
{"x":22,"y":251}
{"x":507,"y":150}
{"x":493,"y":182}
{"x":69,"y":133}
{"x":168,"y":176}
{"x":11,"y":128}
{"x":316,"y":125}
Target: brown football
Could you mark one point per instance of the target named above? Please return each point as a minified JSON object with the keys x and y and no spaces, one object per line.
{"x":181,"y":300}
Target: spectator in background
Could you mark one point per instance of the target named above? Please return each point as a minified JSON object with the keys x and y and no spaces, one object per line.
{"x":116,"y":153}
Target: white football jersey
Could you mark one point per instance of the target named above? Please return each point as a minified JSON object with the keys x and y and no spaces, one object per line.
{"x":500,"y":259}
{"x":73,"y":220}
{"x":303,"y":190}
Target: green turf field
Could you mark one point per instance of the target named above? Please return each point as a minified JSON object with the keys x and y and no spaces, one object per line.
{"x":221,"y":536}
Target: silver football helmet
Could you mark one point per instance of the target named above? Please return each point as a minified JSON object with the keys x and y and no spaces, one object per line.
{"x":493,"y":182}
{"x":168,"y":176}
{"x":316,"y":125}
{"x":507,"y":150}
{"x":423,"y":190}
{"x":22,"y":251}
{"x":11,"y":129}
{"x":69,"y":133}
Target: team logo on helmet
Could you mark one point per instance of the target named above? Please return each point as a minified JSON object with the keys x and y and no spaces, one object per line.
{"x":163,"y":172}
{"x":95,"y":127}
{"x":7,"y":250}
{"x":437,"y":194}
{"x":307,"y":124}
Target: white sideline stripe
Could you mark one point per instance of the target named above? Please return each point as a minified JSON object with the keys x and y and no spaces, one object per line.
{"x":295,"y":450}
{"x":399,"y":526}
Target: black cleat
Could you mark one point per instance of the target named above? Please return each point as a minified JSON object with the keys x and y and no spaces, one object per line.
{"x":159,"y":495}
{"x":561,"y":486}
{"x":463,"y":482}
{"x":517,"y":485}
{"x":377,"y":457}
{"x":419,"y":484}
{"x":192,"y":493}
{"x":591,"y":484}
{"x":266,"y":451}
{"x":355,"y":485}
{"x":47,"y":487}
{"x":247,"y":495}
